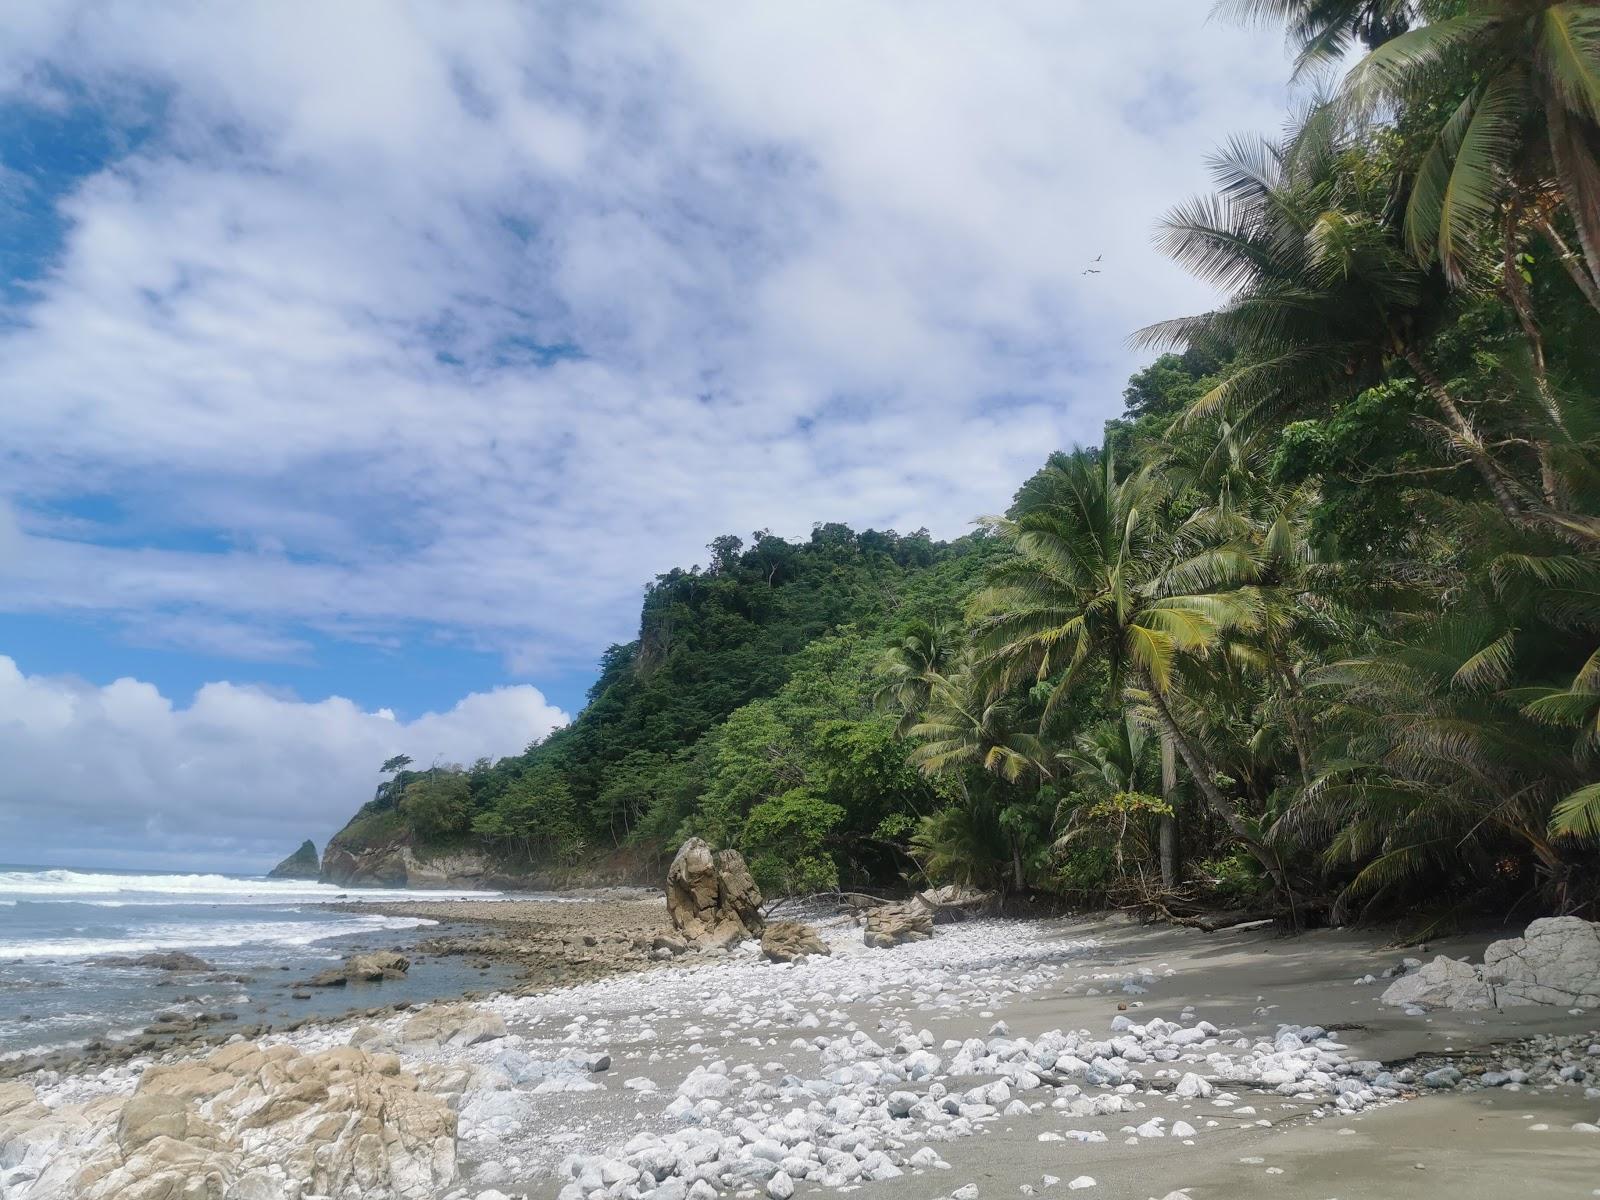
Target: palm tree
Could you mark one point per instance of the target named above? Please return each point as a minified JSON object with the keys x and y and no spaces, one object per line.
{"x":966,"y":725}
{"x":1094,"y":584}
{"x":911,"y":668}
{"x":1108,"y":768}
{"x":1325,"y":299}
{"x":1530,"y":112}
{"x":1322,"y":31}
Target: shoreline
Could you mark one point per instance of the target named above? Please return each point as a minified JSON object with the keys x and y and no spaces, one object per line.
{"x":509,"y":946}
{"x":534,"y":1089}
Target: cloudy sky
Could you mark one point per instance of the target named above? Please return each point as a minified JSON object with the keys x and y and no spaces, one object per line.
{"x":360,"y":362}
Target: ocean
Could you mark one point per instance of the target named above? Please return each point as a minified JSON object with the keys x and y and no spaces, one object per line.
{"x":55,"y":921}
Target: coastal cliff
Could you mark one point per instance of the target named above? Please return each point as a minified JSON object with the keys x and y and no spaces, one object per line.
{"x":377,"y":849}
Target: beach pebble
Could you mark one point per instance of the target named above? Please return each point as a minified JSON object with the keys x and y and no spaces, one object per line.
{"x":1082,"y":1182}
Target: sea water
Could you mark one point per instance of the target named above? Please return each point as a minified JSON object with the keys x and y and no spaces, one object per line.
{"x":56,"y":922}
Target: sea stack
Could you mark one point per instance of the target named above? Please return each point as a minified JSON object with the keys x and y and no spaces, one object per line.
{"x":302,"y":864}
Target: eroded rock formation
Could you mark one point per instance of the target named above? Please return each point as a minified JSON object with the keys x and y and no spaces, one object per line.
{"x":711,"y":897}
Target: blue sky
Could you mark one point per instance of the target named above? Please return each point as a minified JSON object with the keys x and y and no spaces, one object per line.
{"x":362,"y":362}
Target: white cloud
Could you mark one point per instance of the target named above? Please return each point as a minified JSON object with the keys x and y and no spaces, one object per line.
{"x":792,"y":255}
{"x":120,"y":774}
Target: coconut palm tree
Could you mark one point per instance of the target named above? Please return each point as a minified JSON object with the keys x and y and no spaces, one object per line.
{"x":1325,"y":299}
{"x":1095,"y":584}
{"x":1521,"y":80}
{"x":968,"y":725}
{"x":913,"y":667}
{"x":1323,"y":31}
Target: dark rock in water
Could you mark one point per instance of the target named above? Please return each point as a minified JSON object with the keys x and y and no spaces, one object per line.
{"x":302,"y":864}
{"x":171,"y":960}
{"x":364,"y":968}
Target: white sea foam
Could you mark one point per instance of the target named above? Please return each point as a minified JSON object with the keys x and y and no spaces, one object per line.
{"x":108,"y":888}
{"x":206,"y":936}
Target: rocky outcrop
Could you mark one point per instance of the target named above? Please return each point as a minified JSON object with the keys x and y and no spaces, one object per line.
{"x":363,"y":968}
{"x":166,"y":960}
{"x":302,"y":864}
{"x":246,"y":1123}
{"x":894,"y":924}
{"x":789,"y":941}
{"x":1556,"y":961}
{"x":711,"y":897}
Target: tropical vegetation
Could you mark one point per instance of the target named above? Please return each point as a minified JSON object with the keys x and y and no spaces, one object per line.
{"x":1315,"y":631}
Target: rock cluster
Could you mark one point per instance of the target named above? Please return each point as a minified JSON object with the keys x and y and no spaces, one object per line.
{"x":1556,"y":961}
{"x":1545,"y":1062}
{"x":858,"y":1118}
{"x":711,"y":897}
{"x":246,"y":1123}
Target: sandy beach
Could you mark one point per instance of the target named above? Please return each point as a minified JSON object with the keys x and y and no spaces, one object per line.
{"x":912,"y":1072}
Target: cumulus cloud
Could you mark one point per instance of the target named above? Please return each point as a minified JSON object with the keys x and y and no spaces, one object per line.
{"x":382,"y":315}
{"x":121,"y":775}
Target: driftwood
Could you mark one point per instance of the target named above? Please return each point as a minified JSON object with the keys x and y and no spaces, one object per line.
{"x":1216,"y":922}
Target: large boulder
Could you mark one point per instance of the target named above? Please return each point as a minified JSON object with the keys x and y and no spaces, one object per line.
{"x":1443,"y":983}
{"x":1556,"y":961}
{"x":789,"y":941}
{"x":894,"y":924}
{"x":711,"y":897}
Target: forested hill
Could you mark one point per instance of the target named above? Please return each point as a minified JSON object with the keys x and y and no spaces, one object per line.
{"x":747,"y":698}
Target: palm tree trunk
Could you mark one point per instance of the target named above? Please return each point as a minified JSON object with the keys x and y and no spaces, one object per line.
{"x":1492,"y":477}
{"x":1200,"y":771}
{"x":1569,"y":259}
{"x":1516,"y":291}
{"x":1167,"y":829}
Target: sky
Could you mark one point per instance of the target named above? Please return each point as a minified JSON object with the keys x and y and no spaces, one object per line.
{"x":361,"y":363}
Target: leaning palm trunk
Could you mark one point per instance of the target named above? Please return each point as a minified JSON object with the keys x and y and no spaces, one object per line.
{"x":1467,"y":436}
{"x":1569,"y":259}
{"x":1201,"y":772}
